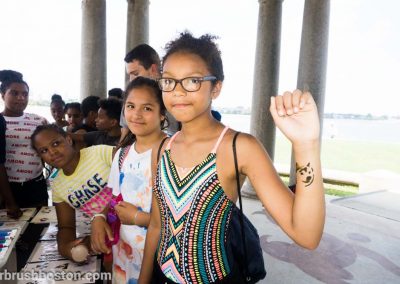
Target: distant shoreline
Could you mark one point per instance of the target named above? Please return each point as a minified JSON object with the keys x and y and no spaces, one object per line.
{"x":241,"y":111}
{"x":354,"y":145}
{"x":247,"y":111}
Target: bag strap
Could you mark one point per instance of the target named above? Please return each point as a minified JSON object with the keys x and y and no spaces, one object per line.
{"x":160,"y":147}
{"x":240,"y":201}
{"x":125,"y":150}
{"x":121,"y":158}
{"x":122,"y":155}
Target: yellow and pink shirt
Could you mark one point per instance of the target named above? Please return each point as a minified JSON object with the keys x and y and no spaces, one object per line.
{"x":86,"y":189}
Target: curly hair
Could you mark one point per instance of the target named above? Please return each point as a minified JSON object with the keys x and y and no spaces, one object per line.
{"x":112,"y":107}
{"x":204,"y":47}
{"x":89,"y":104}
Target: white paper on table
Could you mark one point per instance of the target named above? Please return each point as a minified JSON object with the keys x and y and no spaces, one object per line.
{"x":47,"y":214}
{"x":45,"y":251}
{"x":27,"y":213}
{"x":50,"y":233}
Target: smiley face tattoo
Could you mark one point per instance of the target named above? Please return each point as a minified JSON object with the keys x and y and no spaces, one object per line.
{"x":306,"y":173}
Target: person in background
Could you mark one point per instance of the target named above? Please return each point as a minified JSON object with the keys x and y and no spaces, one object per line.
{"x":74,"y":116}
{"x":24,"y":166}
{"x":107,"y":123}
{"x":115,"y":93}
{"x":144,"y":61}
{"x":90,"y":108}
{"x":79,"y":184}
{"x":75,"y":120}
{"x":57,"y":108}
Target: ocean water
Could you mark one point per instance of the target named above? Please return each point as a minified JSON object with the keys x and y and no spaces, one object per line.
{"x":340,"y":129}
{"x":349,"y":145}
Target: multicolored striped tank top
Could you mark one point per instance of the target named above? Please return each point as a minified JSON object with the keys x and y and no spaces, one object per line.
{"x":195,"y":214}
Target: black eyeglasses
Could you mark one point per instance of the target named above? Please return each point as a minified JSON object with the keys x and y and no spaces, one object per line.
{"x":189,"y":84}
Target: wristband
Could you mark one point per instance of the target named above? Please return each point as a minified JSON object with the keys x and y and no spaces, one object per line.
{"x":98,"y":215}
{"x":134,"y":217}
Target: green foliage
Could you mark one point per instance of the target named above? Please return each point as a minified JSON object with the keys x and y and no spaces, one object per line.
{"x":341,"y":190}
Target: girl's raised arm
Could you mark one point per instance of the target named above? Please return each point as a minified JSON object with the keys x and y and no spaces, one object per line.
{"x":302,"y":215}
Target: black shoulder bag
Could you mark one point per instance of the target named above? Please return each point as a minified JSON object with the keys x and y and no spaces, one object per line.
{"x":244,"y":249}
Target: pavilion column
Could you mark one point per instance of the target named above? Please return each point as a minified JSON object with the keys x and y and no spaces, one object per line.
{"x":266,"y":77}
{"x":93,"y":49}
{"x":137,"y":30}
{"x":313,"y":58}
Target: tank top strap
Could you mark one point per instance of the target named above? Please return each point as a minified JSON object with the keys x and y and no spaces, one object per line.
{"x":170,"y":140}
{"x":214,"y":150}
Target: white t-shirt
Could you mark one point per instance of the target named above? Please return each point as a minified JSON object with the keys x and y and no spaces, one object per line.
{"x":22,"y":162}
{"x":135,"y":184}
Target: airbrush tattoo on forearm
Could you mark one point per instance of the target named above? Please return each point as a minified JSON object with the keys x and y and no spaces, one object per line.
{"x":306,"y":173}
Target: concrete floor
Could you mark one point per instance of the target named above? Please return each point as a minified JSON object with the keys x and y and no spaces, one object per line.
{"x":358,"y":245}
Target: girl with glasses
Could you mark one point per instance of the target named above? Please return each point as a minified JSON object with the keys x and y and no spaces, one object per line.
{"x":195,"y":188}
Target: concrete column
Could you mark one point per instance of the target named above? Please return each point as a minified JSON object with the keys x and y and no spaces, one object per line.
{"x":313,"y":57}
{"x":93,"y":49}
{"x":137,"y":30}
{"x":266,"y":76}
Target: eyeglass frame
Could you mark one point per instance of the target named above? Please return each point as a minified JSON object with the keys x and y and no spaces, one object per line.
{"x":176,"y":81}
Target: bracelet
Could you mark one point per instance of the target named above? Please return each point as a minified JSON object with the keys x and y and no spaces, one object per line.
{"x":134,"y":217}
{"x":98,"y":215}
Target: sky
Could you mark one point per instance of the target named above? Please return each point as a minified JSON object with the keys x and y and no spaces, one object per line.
{"x":42,"y":40}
